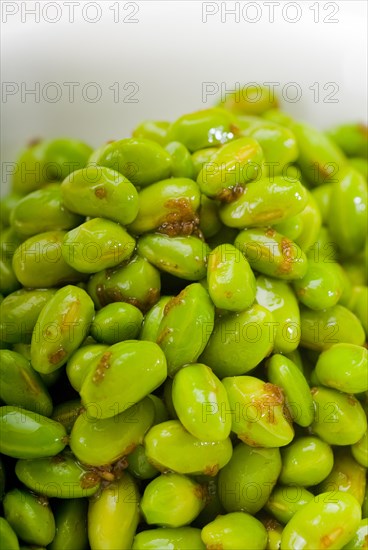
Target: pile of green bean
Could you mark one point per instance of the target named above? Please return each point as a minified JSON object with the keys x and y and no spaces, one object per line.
{"x":183,"y":327}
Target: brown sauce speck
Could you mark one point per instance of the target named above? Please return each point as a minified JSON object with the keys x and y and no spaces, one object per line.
{"x":323,"y":171}
{"x":352,"y":401}
{"x":248,"y":440}
{"x":130,"y":448}
{"x":230,"y":194}
{"x":110,"y":472}
{"x":267,"y":216}
{"x":153,"y":296}
{"x":175,"y":301}
{"x":329,"y":539}
{"x":101,"y":368}
{"x":211,"y":470}
{"x":287,"y":414}
{"x":70,"y":316}
{"x":287,"y":255}
{"x":100,"y":192}
{"x":107,"y":295}
{"x":274,"y":393}
{"x":44,"y":501}
{"x":58,"y":356}
{"x":270,"y":524}
{"x":31,"y":384}
{"x":161,"y":337}
{"x":107,"y":476}
{"x":200,"y":491}
{"x":181,"y":220}
{"x":134,"y":302}
{"x":234,"y":129}
{"x":89,"y":479}
{"x":65,"y":440}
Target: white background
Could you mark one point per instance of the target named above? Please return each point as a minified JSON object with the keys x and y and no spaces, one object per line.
{"x":169,"y":53}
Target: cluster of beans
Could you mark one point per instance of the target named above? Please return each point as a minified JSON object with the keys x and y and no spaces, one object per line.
{"x":182,"y":332}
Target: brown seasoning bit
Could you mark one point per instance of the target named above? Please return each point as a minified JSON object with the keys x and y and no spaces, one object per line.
{"x":270,"y":232}
{"x":287,"y":254}
{"x":181,"y":220}
{"x":175,"y":301}
{"x":329,"y":539}
{"x":100,"y":192}
{"x":58,"y":356}
{"x":101,"y":368}
{"x":89,"y":479}
{"x":211,"y":470}
{"x":230,"y":194}
{"x":248,"y":440}
{"x":161,"y":337}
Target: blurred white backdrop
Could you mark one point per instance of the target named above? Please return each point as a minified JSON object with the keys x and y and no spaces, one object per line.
{"x":93,"y":70}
